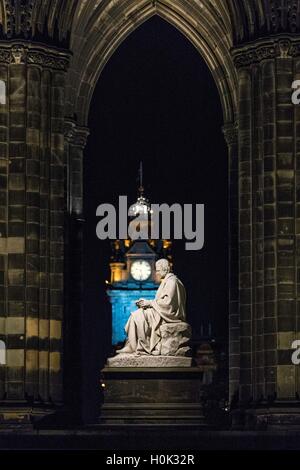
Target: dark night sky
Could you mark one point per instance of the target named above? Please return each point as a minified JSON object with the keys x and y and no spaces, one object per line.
{"x":156,"y":101}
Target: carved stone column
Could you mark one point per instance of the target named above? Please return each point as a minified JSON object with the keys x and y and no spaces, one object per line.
{"x":32,"y":206}
{"x":269,"y":229}
{"x":231,"y":137}
{"x":76,"y":137}
{"x":75,"y":141}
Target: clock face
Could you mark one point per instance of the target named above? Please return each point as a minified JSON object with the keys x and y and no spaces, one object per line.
{"x":140,"y":270}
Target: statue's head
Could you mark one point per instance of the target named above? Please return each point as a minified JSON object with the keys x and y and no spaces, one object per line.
{"x":162,"y":267}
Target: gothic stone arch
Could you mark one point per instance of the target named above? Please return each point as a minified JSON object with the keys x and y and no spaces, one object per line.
{"x":51,"y":55}
{"x":253,"y":56}
{"x":207,"y":30}
{"x":98,"y":31}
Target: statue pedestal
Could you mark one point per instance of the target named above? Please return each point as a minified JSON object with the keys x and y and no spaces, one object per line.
{"x":145,"y":361}
{"x":152,"y":395}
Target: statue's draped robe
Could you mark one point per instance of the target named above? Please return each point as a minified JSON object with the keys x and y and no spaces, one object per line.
{"x":167,"y":307}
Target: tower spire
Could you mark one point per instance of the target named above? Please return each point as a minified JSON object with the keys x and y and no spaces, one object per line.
{"x":141,"y":206}
{"x":141,"y":187}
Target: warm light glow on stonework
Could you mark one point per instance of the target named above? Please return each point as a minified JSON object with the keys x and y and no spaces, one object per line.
{"x":15,"y":325}
{"x":32,"y":327}
{"x":44,"y":328}
{"x":43,"y":360}
{"x":116,"y":272}
{"x":15,"y":357}
{"x":285,"y":339}
{"x":55,"y":361}
{"x":55,"y":329}
{"x":32,"y":362}
{"x":167,"y":244}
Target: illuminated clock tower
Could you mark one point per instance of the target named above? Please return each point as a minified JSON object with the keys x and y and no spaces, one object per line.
{"x":132,"y":269}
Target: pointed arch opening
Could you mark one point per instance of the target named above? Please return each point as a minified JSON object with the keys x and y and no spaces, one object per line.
{"x":156,"y":100}
{"x":97,"y":33}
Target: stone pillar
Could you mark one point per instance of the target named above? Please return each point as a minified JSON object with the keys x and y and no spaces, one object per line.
{"x":231,"y":136}
{"x":32,"y":207}
{"x":268,"y":220}
{"x":75,"y":141}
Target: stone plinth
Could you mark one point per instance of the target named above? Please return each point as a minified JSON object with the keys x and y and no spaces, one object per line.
{"x":152,"y":396}
{"x":133,"y":360}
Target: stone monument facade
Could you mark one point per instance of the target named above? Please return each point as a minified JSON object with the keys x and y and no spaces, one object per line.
{"x":51,"y":56}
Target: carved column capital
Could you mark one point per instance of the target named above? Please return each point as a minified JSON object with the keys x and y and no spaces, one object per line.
{"x":44,"y":20}
{"x":75,"y":135}
{"x":69,"y":128}
{"x":230,"y":131}
{"x":23,"y":52}
{"x":278,"y":47}
{"x":80,"y":137}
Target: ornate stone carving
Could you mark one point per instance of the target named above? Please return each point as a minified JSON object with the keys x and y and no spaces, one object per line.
{"x":18,"y":55}
{"x":21,"y":52}
{"x":295,"y":50}
{"x":19,"y":17}
{"x":75,"y":135}
{"x":30,"y":19}
{"x":248,"y":56}
{"x":69,"y":127}
{"x":256,"y":18}
{"x":275,"y":13}
{"x":80,"y":137}
{"x":5,"y":56}
{"x":293,"y":14}
{"x":282,"y":47}
{"x":48,"y":60}
{"x":230,"y":132}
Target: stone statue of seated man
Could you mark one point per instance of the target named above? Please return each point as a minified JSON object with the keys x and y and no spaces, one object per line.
{"x":158,"y":327}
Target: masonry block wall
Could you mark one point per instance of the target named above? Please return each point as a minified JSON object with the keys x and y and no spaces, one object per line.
{"x":32,"y":206}
{"x":231,"y":137}
{"x":253,"y":51}
{"x":268,"y":170}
